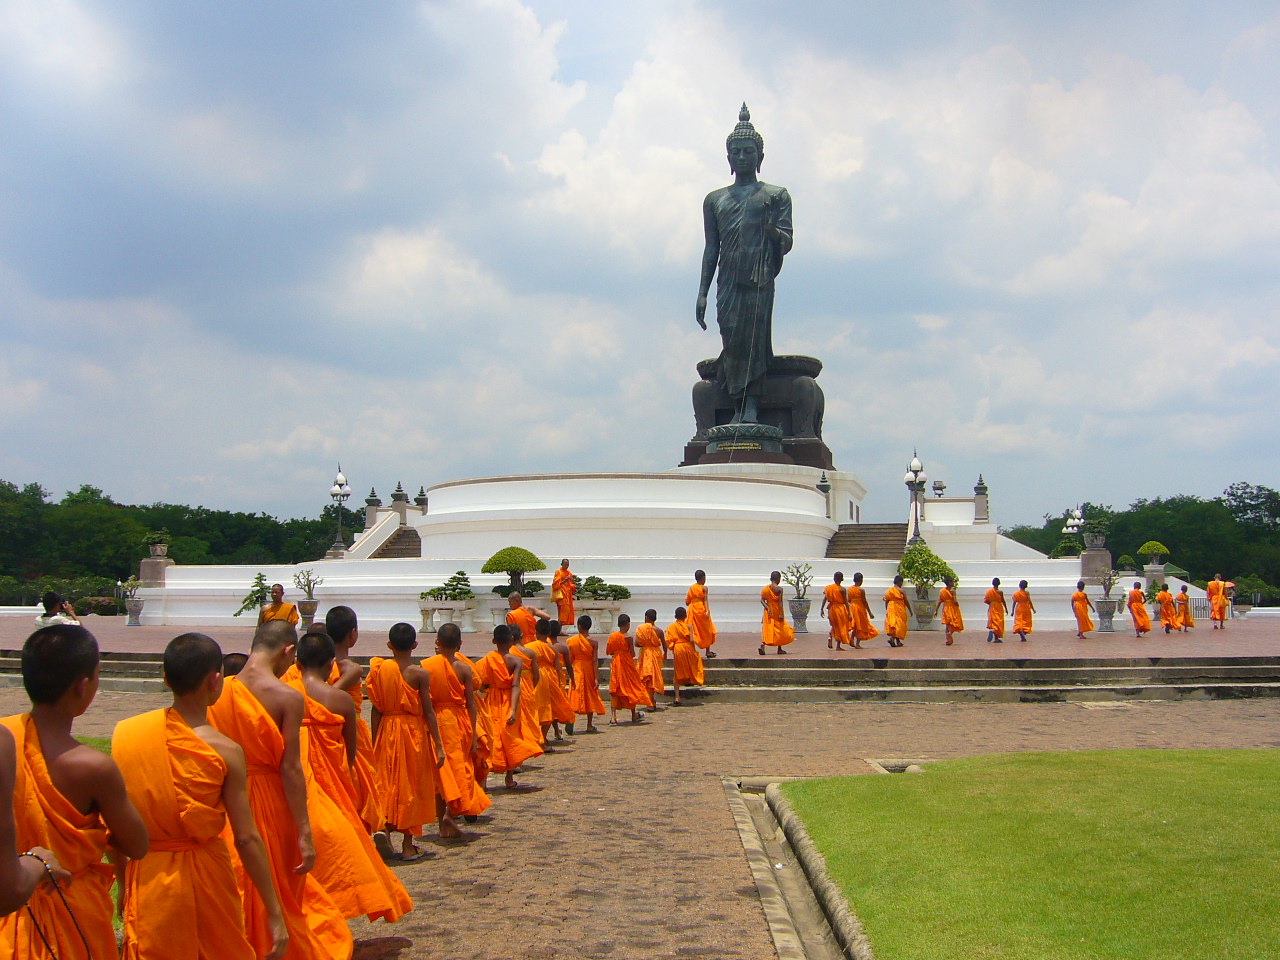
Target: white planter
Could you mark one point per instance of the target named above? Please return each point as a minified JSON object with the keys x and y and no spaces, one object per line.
{"x":452,"y":610}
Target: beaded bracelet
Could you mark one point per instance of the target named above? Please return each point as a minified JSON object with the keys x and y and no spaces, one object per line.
{"x":43,"y":862}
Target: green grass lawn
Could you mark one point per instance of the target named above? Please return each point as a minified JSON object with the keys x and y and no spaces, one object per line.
{"x":1133,"y":855}
{"x":102,"y":744}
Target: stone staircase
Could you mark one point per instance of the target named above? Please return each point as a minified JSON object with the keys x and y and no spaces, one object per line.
{"x":868,"y":541}
{"x":405,"y":543}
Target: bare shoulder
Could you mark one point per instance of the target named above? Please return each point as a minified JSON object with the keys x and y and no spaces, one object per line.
{"x":461,"y":670}
{"x":331,"y":698}
{"x":226,"y":748}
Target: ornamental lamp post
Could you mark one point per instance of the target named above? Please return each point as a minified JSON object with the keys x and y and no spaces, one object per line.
{"x":1074,"y":520}
{"x":915,"y":479}
{"x":339,"y":492}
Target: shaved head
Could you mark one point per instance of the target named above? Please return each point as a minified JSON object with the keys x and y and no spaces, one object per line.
{"x":273,"y":636}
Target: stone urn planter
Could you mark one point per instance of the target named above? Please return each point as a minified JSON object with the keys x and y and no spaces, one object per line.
{"x":307,"y":610}
{"x":448,"y":610}
{"x":134,"y":607}
{"x":159,"y":549}
{"x":925,"y":611}
{"x":1107,"y":608}
{"x":603,"y":613}
{"x":800,"y":607}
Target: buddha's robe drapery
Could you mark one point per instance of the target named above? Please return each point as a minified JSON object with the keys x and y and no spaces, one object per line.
{"x":509,"y":749}
{"x":530,"y":728}
{"x":626,"y":689}
{"x":404,"y":755}
{"x":1168,"y":611}
{"x":484,"y":726}
{"x":952,"y":618}
{"x":1185,"y":618}
{"x":995,"y":612}
{"x":649,"y":644}
{"x":774,"y":629}
{"x":895,"y":614}
{"x":562,"y":592}
{"x":1021,"y":611}
{"x":1080,"y":607}
{"x":553,"y":702}
{"x":688,"y":665}
{"x":837,"y":612}
{"x":525,"y":622}
{"x":449,"y":698}
{"x":584,"y":691}
{"x":1138,"y":610}
{"x":286,"y":612}
{"x":701,"y":629}
{"x":860,"y":627}
{"x":1216,"y":591}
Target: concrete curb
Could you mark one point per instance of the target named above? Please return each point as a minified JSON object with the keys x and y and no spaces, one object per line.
{"x":845,"y":926}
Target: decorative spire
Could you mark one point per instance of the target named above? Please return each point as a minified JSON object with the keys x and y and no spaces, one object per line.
{"x":745,"y":131}
{"x":421,"y":498}
{"x":981,"y":488}
{"x":398,"y":494}
{"x":373,"y":500}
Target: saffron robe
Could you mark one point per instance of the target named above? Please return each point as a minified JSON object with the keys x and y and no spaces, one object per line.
{"x":449,"y":698}
{"x":774,"y":629}
{"x":837,"y":612}
{"x":584,"y":692}
{"x":1216,"y":591}
{"x":688,"y":665}
{"x":484,"y":726}
{"x":525,"y":622}
{"x":1138,"y":610}
{"x":553,"y":702}
{"x":860,"y":627}
{"x":43,"y":817}
{"x":186,"y":882}
{"x":626,"y":689}
{"x":286,"y":611}
{"x":530,"y":728}
{"x":508,"y":749}
{"x":1021,"y":611}
{"x":562,"y":591}
{"x":895,"y":614}
{"x":1080,"y":607}
{"x":1168,"y":612}
{"x":701,"y":628}
{"x":316,"y":925}
{"x":952,"y":618}
{"x":995,"y":612}
{"x":404,"y":755}
{"x":651,"y":657}
{"x":1184,"y":611}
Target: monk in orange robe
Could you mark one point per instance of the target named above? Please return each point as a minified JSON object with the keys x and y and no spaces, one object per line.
{"x":1183,"y":600}
{"x":530,"y":678}
{"x":553,"y":701}
{"x":1216,"y":591}
{"x":1080,"y":606}
{"x":1138,"y":610}
{"x":484,"y":729}
{"x":653,"y":653}
{"x":1023,"y":610}
{"x":952,"y":618}
{"x":626,"y":689}
{"x":774,"y":629}
{"x":497,"y":676}
{"x":563,"y":590}
{"x":701,"y":627}
{"x":279,"y":608}
{"x":996,"y":609}
{"x":1168,"y":610}
{"x":896,"y":609}
{"x":454,"y":700}
{"x":188,"y":781}
{"x":264,"y":716}
{"x":564,"y":667}
{"x":688,"y":665}
{"x":343,"y":627}
{"x":69,"y":800}
{"x":20,"y":873}
{"x":584,"y":691}
{"x":835,"y":607}
{"x":347,"y":864}
{"x":860,"y":627}
{"x":524,"y":618}
{"x":406,"y":760}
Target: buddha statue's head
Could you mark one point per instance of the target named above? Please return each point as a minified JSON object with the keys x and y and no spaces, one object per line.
{"x":744,"y":144}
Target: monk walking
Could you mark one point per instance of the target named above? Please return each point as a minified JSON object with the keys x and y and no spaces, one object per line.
{"x":860,"y":627}
{"x":497,"y":676}
{"x":952,"y":618}
{"x":688,"y":665}
{"x":553,"y":702}
{"x":996,"y":610}
{"x":1168,"y":611}
{"x":1216,"y":591}
{"x":1185,"y":618}
{"x":344,"y":628}
{"x":1023,"y":610}
{"x":563,"y":590}
{"x":1138,"y":610}
{"x":653,"y":653}
{"x":835,"y":607}
{"x":454,"y":700}
{"x":896,"y":609}
{"x":626,"y":689}
{"x":584,"y":692}
{"x":564,"y":667}
{"x":774,"y":629}
{"x":701,"y":627}
{"x":1080,"y":606}
{"x":530,"y":680}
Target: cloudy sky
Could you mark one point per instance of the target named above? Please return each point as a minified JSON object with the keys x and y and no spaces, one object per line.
{"x":241,"y":242}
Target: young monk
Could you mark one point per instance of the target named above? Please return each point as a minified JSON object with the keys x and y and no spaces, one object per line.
{"x":524,"y":618}
{"x":1023,"y":610}
{"x":553,"y":702}
{"x":626,"y":689}
{"x":860,"y":627}
{"x":188,"y":781}
{"x":562,"y":592}
{"x":835,"y":607}
{"x":701,"y":627}
{"x":1183,"y":600}
{"x":1080,"y":606}
{"x":530,"y":678}
{"x":564,"y":667}
{"x":233,"y":663}
{"x":497,"y":675}
{"x":405,"y":760}
{"x":896,"y":609}
{"x":1216,"y":591}
{"x":952,"y":618}
{"x":1137,"y":605}
{"x":68,"y":799}
{"x":653,"y":653}
{"x":688,"y":665}
{"x":584,"y":693}
{"x":484,"y":730}
{"x":454,"y":699}
{"x":994,"y":600}
{"x":343,"y":627}
{"x":774,"y":629}
{"x":1168,"y":610}
{"x":264,"y":716}
{"x":348,"y":865}
{"x":20,"y":873}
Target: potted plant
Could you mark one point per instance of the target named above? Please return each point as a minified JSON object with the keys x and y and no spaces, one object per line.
{"x":1095,"y":530}
{"x":307,"y":581}
{"x":924,"y":570}
{"x":798,"y":576}
{"x":515,"y":562}
{"x":157,"y":541}
{"x":452,"y":595}
{"x":1107,"y":605}
{"x":132,"y":602}
{"x":1126,"y":563}
{"x":604,"y":600}
{"x":1153,"y":550}
{"x":257,"y":597}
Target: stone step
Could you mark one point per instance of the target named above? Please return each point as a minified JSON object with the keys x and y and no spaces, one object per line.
{"x":404,"y":543}
{"x":868,"y":541}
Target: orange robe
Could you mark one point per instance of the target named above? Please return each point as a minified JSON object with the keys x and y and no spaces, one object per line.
{"x":44,"y":818}
{"x":508,"y":749}
{"x":859,"y":618}
{"x":688,"y":665}
{"x":562,"y":591}
{"x":449,"y":698}
{"x":525,"y":621}
{"x":837,"y":612}
{"x":553,"y":702}
{"x":995,"y":612}
{"x":484,"y":726}
{"x":1168,"y":612}
{"x":317,"y":927}
{"x":952,"y":618}
{"x":1138,"y":609}
{"x":895,"y":615}
{"x":651,"y":658}
{"x":1216,"y":591}
{"x":1080,"y":607}
{"x":186,"y":881}
{"x":286,"y":611}
{"x":626,"y":689}
{"x":701,"y":628}
{"x":1021,"y":611}
{"x":530,"y":728}
{"x":584,"y":692}
{"x":774,"y":629}
{"x":404,"y":755}
{"x":1184,"y":611}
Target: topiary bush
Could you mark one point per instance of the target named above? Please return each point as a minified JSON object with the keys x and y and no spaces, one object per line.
{"x":924,"y":569}
{"x":594,"y":588}
{"x":457,"y":587}
{"x":1153,"y":550}
{"x":515,"y":562}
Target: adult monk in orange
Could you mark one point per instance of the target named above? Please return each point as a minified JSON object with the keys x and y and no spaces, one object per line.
{"x":1168,"y":611}
{"x":584,"y":690}
{"x":860,"y":627}
{"x":454,"y":699}
{"x":1216,"y":591}
{"x":1023,"y":610}
{"x":626,"y":689}
{"x":264,"y":716}
{"x":952,"y":618}
{"x":1080,"y":606}
{"x":405,"y":759}
{"x":563,"y":590}
{"x":774,"y":629}
{"x":497,"y":676}
{"x":553,"y":702}
{"x":279,"y":608}
{"x":896,"y":609}
{"x":68,"y":799}
{"x":701,"y":627}
{"x":1138,"y":610}
{"x":835,"y":607}
{"x":530,"y":679}
{"x":653,"y":653}
{"x":347,"y":864}
{"x":1183,"y":601}
{"x":524,"y":618}
{"x":688,"y":665}
{"x":994,"y":599}
{"x":187,"y":781}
